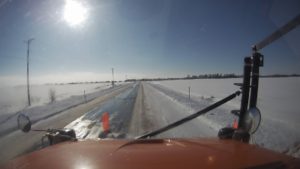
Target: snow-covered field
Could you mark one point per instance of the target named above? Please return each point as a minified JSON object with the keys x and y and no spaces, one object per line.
{"x":278,"y":101}
{"x":13,"y":99}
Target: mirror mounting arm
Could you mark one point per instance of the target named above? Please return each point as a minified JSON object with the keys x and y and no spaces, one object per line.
{"x":245,"y":90}
{"x":258,"y":61}
{"x":250,"y":84}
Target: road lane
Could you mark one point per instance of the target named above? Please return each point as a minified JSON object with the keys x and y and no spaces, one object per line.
{"x":119,"y":109}
{"x":154,"y":110}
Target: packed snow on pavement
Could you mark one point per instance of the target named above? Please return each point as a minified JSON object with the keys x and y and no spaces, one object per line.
{"x":119,"y":110}
{"x":161,"y":110}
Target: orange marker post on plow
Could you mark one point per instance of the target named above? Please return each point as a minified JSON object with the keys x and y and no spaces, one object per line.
{"x":105,"y":122}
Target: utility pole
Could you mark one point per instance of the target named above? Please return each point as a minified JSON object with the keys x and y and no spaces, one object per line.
{"x":28,"y":48}
{"x":113,"y":78}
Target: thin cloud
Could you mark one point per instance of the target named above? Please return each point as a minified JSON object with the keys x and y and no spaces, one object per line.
{"x":3,"y":2}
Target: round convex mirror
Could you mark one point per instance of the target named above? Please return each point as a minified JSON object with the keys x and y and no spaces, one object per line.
{"x":45,"y":141}
{"x":24,"y":123}
{"x":252,"y":120}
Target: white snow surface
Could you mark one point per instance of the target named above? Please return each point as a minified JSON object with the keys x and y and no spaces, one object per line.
{"x":14,"y":98}
{"x":278,"y":101}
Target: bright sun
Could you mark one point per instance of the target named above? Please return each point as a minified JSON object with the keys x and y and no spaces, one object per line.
{"x":75,"y":13}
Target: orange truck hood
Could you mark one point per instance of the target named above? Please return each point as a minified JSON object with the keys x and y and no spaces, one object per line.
{"x":153,"y":153}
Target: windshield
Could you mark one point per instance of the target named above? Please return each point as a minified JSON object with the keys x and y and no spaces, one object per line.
{"x":119,"y":69}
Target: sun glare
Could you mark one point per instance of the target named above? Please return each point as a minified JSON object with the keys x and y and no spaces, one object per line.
{"x":75,"y":13}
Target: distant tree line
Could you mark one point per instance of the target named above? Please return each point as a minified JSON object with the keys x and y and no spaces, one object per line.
{"x":201,"y":76}
{"x":209,"y":76}
{"x":212,"y":76}
{"x":75,"y":83}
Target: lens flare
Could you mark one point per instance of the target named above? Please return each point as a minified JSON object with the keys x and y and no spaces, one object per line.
{"x":75,"y":13}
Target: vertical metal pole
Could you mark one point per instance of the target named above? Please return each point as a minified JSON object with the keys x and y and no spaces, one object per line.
{"x":113,"y":78}
{"x":28,"y":87}
{"x":28,"y":90}
{"x":189,"y":92}
{"x":84,"y":96}
{"x":245,"y":90}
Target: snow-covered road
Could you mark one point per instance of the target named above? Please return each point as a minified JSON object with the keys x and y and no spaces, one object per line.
{"x":129,"y":117}
{"x":141,"y":107}
{"x":119,"y":109}
{"x":160,"y":110}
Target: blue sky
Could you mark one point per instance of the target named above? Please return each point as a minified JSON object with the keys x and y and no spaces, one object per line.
{"x":142,"y":38}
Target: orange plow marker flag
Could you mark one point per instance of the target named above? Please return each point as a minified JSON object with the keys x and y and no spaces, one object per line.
{"x":105,"y":121}
{"x":235,"y":124}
